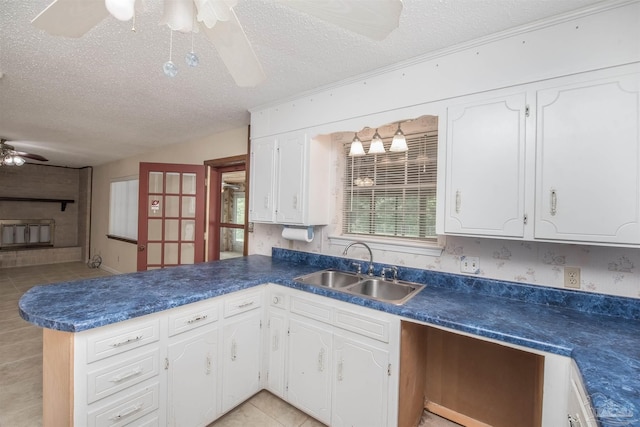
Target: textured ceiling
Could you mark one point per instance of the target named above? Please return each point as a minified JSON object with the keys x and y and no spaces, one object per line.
{"x":104,"y":96}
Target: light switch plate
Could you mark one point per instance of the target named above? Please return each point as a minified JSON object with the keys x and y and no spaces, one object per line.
{"x":470,"y":264}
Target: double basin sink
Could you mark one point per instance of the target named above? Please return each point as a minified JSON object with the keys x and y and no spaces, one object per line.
{"x":396,"y":292}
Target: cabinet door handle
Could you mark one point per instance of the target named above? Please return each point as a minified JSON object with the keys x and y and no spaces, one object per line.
{"x":122,"y":377}
{"x":127,"y":341}
{"x":574,"y":421}
{"x":266,"y":202}
{"x":554,"y":202}
{"x":340,"y":365}
{"x":234,"y":350}
{"x":458,"y":201}
{"x":208,"y":363}
{"x":321,"y":360}
{"x":295,"y":202}
{"x":197,"y":318}
{"x":275,"y":343}
{"x":127,"y":412}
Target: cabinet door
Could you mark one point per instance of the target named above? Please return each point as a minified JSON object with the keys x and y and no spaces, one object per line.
{"x":588,"y":161}
{"x":360,"y":384}
{"x":276,"y":351}
{"x":241,"y":359}
{"x":309,"y":360}
{"x":192,"y":378}
{"x":292,"y":178}
{"x":486,"y":167}
{"x":262,"y":181}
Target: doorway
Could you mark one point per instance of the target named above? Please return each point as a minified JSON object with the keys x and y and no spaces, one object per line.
{"x":227,"y":213}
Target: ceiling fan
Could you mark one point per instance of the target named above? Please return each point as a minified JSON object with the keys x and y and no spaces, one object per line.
{"x":73,"y":18}
{"x":10,"y":157}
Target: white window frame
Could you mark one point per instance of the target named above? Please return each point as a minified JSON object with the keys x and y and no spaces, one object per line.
{"x":123,"y":208}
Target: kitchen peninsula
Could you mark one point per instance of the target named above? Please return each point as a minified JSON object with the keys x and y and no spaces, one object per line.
{"x":600,"y":333}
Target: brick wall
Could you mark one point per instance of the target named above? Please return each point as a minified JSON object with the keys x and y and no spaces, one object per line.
{"x":39,"y":181}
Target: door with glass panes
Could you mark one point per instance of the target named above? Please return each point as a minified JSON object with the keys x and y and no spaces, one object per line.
{"x":170,"y":215}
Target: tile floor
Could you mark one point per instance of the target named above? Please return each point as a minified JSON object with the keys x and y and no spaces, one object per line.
{"x":21,"y":361}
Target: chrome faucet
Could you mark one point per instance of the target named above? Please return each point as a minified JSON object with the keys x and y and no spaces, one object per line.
{"x":370,"y":269}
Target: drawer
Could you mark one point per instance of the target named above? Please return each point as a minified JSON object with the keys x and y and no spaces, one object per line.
{"x":192,"y":316}
{"x":311,"y":309}
{"x":120,"y":338}
{"x":110,"y":379}
{"x":239,"y":304}
{"x":125,"y":410}
{"x":363,"y":324}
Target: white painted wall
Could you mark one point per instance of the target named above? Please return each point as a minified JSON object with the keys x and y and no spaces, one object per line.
{"x":598,"y":37}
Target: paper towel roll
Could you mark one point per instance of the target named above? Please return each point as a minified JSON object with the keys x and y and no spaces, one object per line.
{"x":301,"y":234}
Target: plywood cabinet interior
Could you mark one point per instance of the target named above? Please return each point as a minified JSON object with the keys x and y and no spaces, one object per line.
{"x":470,"y":381}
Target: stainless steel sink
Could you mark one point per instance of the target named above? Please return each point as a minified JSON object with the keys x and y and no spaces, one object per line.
{"x":393,"y":292}
{"x":329,"y":279}
{"x":396,"y":292}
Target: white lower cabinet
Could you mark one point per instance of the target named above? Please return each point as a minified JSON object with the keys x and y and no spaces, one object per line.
{"x":309,"y":370}
{"x":361,"y":382}
{"x":336,"y":361}
{"x":192,"y":378}
{"x":241,"y":359}
{"x":339,"y":359}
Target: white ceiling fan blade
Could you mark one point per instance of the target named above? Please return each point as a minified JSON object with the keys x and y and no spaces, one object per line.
{"x":375,"y":19}
{"x":212,"y":11}
{"x":178,"y":15}
{"x":236,"y":52}
{"x":71,"y":18}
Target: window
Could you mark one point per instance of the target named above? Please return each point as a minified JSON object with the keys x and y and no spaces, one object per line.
{"x":392,"y":195}
{"x":123,"y":209}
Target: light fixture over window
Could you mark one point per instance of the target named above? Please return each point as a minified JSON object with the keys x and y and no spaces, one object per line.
{"x":399,"y":143}
{"x":357,"y":149}
{"x":376,"y":147}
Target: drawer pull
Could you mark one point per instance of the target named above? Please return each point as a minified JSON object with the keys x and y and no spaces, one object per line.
{"x":246,"y":304}
{"x":132,"y":410}
{"x":129,"y":341}
{"x":122,"y":377}
{"x":197,"y":318}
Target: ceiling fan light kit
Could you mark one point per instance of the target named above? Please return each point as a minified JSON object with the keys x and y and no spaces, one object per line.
{"x":10,"y":157}
{"x":372,"y":18}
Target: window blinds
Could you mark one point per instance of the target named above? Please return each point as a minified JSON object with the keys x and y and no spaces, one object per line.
{"x":392,"y":194}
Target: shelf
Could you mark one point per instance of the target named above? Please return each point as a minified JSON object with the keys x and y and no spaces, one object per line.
{"x":63,"y":202}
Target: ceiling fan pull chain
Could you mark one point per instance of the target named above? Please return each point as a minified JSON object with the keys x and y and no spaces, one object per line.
{"x":169,"y":68}
{"x":133,"y":22}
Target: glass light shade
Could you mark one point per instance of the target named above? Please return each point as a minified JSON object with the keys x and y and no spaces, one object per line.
{"x":357,"y":149}
{"x":122,"y":10}
{"x":399,"y":142}
{"x":18,"y":161}
{"x":376,"y":147}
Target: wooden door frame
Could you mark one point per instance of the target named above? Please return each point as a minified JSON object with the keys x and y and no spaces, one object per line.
{"x":215,"y":169}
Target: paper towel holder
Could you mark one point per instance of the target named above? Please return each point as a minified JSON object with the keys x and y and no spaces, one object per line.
{"x":309,"y":230}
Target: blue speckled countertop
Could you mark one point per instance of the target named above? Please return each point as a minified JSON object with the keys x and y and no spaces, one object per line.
{"x":601,"y":333}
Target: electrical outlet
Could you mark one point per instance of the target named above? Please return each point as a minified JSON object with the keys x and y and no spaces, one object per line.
{"x":572,"y":277}
{"x":470,"y":264}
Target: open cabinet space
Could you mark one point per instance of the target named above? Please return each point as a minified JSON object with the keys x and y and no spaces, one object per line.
{"x":467,"y":380}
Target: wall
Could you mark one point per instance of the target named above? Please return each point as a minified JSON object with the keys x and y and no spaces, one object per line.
{"x":120,"y":257}
{"x":599,"y":37}
{"x":48,"y":182}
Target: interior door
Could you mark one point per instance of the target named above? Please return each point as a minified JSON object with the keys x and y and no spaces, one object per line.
{"x":171,"y":213}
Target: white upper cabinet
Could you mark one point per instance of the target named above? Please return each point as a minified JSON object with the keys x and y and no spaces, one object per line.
{"x":485,"y":169}
{"x":262,"y":180}
{"x":558,"y":162}
{"x":588,"y":163}
{"x":290,"y":180}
